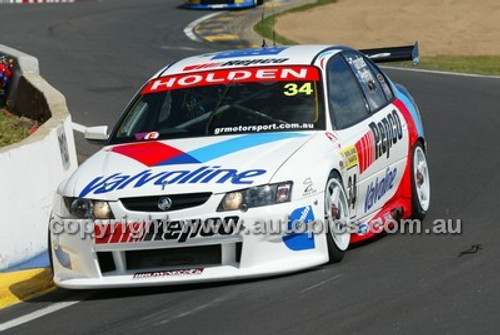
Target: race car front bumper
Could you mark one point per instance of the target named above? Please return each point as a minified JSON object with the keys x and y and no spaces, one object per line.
{"x":82,"y":261}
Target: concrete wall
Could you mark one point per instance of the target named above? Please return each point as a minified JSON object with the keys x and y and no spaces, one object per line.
{"x":31,"y":170}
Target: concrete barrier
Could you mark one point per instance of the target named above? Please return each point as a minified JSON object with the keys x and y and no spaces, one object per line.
{"x":31,"y":170}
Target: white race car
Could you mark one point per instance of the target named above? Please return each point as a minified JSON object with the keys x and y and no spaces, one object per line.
{"x":242,"y":164}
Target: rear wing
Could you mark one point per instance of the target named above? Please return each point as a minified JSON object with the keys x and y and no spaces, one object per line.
{"x":394,"y":54}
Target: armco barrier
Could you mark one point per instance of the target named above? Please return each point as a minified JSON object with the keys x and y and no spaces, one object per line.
{"x":31,"y":170}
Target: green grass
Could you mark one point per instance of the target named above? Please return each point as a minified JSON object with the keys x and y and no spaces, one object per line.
{"x":487,"y":65}
{"x":11,"y":131}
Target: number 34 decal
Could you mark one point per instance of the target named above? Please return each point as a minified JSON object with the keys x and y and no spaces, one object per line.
{"x":293,"y":89}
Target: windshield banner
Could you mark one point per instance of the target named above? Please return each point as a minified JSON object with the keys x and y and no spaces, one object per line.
{"x":220,"y":77}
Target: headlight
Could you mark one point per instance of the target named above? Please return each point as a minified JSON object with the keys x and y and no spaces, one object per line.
{"x":232,"y":201}
{"x":102,"y":210}
{"x":256,"y":197}
{"x":81,"y":208}
{"x":88,"y":209}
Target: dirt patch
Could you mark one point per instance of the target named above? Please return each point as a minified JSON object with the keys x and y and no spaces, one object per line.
{"x":442,"y":27}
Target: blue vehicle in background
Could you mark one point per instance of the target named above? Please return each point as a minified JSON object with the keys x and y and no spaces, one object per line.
{"x":220,"y":4}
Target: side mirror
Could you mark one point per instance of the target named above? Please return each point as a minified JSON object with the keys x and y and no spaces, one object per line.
{"x":97,"y":134}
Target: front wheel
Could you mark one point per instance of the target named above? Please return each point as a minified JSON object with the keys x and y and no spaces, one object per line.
{"x":420,"y":182}
{"x":49,"y":248}
{"x":337,"y":216}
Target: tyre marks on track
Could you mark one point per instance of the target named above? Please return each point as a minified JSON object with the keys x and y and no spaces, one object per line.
{"x":218,"y":29}
{"x":230,"y":29}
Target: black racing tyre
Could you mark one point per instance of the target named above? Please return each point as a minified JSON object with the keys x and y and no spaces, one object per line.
{"x":49,"y":249}
{"x":420,"y":182}
{"x":336,"y":214}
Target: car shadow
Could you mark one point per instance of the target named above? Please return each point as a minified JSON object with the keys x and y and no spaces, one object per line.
{"x":61,"y":294}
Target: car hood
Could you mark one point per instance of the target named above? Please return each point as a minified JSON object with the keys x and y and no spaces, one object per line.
{"x":208,"y":164}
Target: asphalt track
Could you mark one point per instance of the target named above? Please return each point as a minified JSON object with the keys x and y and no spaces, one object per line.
{"x":97,"y":54}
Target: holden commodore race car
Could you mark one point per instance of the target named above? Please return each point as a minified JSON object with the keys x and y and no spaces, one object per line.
{"x":222,"y":4}
{"x":215,"y":149}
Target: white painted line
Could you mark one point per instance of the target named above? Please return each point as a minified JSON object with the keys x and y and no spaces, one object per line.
{"x":36,"y":314}
{"x":468,"y":75}
{"x":166,"y":47}
{"x":190,"y":27}
{"x":79,"y":128}
{"x":322,"y":283}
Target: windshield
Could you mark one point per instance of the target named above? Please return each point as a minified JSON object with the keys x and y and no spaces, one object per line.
{"x":225,"y":102}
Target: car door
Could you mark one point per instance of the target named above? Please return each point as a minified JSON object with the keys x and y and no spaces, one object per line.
{"x":349,"y":111}
{"x":382,"y":147}
{"x":357,"y":107}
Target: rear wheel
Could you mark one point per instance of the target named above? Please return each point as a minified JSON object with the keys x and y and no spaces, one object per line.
{"x":421,"y":186}
{"x":337,"y":216}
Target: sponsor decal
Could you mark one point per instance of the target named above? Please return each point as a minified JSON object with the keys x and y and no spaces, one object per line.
{"x":263,"y":127}
{"x":363,"y":228}
{"x":250,"y":52}
{"x":180,"y":231}
{"x":298,"y":219}
{"x":350,"y":156}
{"x":201,"y":175}
{"x":147,"y":136}
{"x":378,"y":188}
{"x":238,"y":62}
{"x":63,"y":146}
{"x":357,"y":61}
{"x":350,"y":160}
{"x":352,"y":190}
{"x":379,"y":140}
{"x":169,"y":273}
{"x":219,"y":77}
{"x":158,"y":230}
{"x":362,"y":71}
{"x":387,"y":132}
{"x":309,"y":187}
